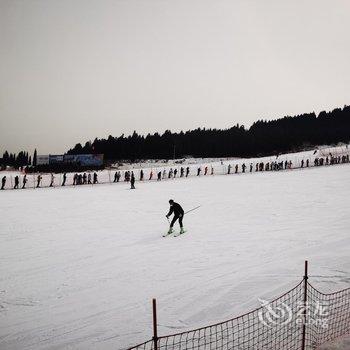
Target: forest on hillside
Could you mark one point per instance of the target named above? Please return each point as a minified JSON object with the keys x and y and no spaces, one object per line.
{"x":262,"y":138}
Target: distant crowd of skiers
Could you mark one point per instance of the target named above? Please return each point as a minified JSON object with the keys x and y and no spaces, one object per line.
{"x":261,"y":167}
{"x":129,"y":176}
{"x":78,"y":179}
{"x":82,"y":179}
{"x":330,"y":160}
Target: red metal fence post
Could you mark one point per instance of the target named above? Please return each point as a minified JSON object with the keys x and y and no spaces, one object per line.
{"x":155,"y":333}
{"x":304,"y":306}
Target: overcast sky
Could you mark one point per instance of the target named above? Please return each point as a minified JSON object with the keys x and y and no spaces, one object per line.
{"x":74,"y":70}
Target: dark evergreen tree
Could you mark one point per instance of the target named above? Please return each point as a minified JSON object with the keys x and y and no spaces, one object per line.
{"x":35,"y":158}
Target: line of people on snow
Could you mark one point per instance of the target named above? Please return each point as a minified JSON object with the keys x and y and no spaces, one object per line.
{"x":331,"y":160}
{"x":172,"y":173}
{"x":269,"y":166}
{"x":78,"y":179}
{"x":82,"y":179}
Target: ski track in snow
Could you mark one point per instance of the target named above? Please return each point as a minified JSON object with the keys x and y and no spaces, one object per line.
{"x":78,"y":268}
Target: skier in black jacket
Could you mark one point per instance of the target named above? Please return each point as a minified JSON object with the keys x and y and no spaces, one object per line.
{"x":178,"y":212}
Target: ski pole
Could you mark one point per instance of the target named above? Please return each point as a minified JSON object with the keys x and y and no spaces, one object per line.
{"x":191,"y":210}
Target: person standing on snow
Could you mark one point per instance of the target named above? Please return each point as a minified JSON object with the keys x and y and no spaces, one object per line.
{"x":52,"y":180}
{"x":3,"y":182}
{"x":24,"y":180}
{"x":95,"y":178}
{"x":132,"y":181}
{"x":38,"y":181}
{"x":16,"y":182}
{"x":178,"y":212}
{"x":64,"y":179}
{"x":117,"y":176}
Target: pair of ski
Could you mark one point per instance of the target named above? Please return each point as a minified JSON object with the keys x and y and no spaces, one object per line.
{"x":176,"y":234}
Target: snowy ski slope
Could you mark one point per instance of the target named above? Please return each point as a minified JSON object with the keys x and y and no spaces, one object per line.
{"x":79,"y":265}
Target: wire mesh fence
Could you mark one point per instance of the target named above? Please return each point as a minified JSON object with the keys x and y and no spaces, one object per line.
{"x":332,"y":316}
{"x":301,"y":319}
{"x":250,"y":331}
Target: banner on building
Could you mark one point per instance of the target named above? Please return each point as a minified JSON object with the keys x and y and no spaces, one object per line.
{"x":54,"y":159}
{"x":42,"y":159}
{"x":84,"y":159}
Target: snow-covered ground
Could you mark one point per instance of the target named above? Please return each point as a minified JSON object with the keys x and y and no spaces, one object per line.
{"x":79,"y":265}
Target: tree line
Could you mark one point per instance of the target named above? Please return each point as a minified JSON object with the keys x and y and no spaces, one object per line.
{"x":262,"y":138}
{"x":21,"y":159}
{"x":16,"y":160}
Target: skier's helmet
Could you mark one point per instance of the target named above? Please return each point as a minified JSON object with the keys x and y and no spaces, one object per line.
{"x":171,"y":201}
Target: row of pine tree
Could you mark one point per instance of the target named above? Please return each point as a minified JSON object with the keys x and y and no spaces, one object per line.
{"x":262,"y":138}
{"x":18,"y":160}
